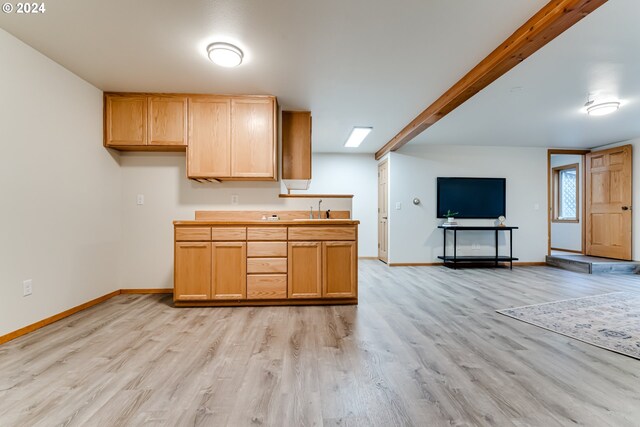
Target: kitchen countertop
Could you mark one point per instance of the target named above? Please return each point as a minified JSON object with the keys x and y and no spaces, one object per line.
{"x":271,"y":223}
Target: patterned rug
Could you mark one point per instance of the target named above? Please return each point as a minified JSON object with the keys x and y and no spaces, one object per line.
{"x":610,"y":321}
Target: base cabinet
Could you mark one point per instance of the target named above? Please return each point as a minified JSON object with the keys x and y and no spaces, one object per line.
{"x":322,"y":270}
{"x":229,"y":270}
{"x":305,"y":270}
{"x":192,"y":271}
{"x":237,"y":264}
{"x":339,"y":275}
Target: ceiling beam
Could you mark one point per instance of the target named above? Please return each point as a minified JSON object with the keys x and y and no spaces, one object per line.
{"x":548,"y":23}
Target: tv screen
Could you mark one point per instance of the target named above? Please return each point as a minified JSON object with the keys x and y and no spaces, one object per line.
{"x":472,"y":197}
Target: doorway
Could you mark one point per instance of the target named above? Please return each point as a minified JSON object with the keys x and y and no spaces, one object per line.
{"x":383,"y":215}
{"x":566,"y":178}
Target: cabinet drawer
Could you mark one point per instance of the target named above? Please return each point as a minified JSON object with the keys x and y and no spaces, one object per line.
{"x":266,"y":286}
{"x":266,"y":265}
{"x":227,"y":234}
{"x":266,"y":249}
{"x":270,"y":233}
{"x":322,"y":233}
{"x":193,"y":234}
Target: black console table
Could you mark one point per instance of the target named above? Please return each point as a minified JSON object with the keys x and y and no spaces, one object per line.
{"x":455,"y":259}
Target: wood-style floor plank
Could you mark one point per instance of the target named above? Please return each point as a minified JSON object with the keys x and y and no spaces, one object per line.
{"x":424,"y":347}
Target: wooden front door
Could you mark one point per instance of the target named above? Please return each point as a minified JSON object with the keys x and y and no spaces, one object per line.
{"x":608,"y":203}
{"x":383,"y":215}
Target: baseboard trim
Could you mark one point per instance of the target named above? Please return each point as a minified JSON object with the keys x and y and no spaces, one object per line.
{"x":530,"y":264}
{"x":147,"y":291}
{"x":567,"y":250}
{"x":49,"y":320}
{"x":368,"y":257}
{"x":415,"y":264}
{"x":438,"y":264}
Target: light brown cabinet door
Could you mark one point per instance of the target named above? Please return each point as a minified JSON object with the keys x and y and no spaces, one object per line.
{"x":125,"y":120}
{"x":305,"y":270}
{"x":608,"y":203}
{"x":209,"y":148}
{"x":192,"y":273}
{"x":253,"y":153}
{"x":167,"y":120}
{"x":229,"y":270}
{"x":296,"y":145}
{"x":339,"y":270}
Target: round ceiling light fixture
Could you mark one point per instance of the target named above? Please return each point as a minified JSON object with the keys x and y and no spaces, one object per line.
{"x":602,"y":109}
{"x":225,"y":54}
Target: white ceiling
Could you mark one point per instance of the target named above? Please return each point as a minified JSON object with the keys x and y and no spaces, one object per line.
{"x":540,"y":102}
{"x":352,"y":63}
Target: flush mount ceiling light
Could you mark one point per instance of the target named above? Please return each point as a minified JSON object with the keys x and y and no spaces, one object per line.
{"x":225,"y":54}
{"x":358,"y":134}
{"x":603,"y":108}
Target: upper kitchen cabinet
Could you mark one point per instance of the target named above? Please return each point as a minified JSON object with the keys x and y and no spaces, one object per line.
{"x":209,"y":152}
{"x":232,"y":138}
{"x":296,"y":149}
{"x":125,"y":121}
{"x":145,"y":122}
{"x":167,"y":120}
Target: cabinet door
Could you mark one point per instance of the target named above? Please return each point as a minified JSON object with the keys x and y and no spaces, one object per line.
{"x":296,"y":145}
{"x":125,"y":120}
{"x":339,"y":277}
{"x":305,"y":269}
{"x":229,"y":270}
{"x":192,"y":271}
{"x":253,"y":153}
{"x":167,"y":120}
{"x":209,"y":148}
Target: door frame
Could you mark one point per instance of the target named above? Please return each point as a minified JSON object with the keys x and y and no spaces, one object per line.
{"x":581,"y":189}
{"x":380,"y":164}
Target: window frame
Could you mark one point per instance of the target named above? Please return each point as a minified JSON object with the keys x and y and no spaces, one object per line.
{"x":556,"y":193}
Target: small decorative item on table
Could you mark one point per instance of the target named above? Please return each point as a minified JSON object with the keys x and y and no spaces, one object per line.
{"x":501,"y":220}
{"x":450,"y":218}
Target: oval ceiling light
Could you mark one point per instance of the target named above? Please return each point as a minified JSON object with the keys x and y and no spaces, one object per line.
{"x":603,"y":108}
{"x":225,"y":54}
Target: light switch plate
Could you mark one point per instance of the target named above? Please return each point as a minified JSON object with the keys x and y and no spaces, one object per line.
{"x":27,"y":287}
{"x":398,"y":206}
{"x":140,"y":199}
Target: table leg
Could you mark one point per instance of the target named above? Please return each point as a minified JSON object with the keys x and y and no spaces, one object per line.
{"x":511,"y":248}
{"x":496,"y":248}
{"x":455,"y":248}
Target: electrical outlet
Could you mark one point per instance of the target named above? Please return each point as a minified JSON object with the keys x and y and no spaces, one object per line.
{"x":235,"y":199}
{"x":140,"y":199}
{"x":27,"y":287}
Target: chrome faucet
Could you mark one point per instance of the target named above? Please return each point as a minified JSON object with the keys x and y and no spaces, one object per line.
{"x":319,"y":207}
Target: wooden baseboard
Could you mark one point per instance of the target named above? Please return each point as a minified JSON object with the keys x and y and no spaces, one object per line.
{"x":147,"y":291}
{"x":438,"y":264}
{"x":375,"y":258}
{"x":415,"y":264}
{"x":566,"y":250}
{"x":530,"y":264}
{"x":49,"y":320}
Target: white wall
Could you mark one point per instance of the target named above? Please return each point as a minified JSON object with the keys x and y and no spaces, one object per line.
{"x":60,"y":189}
{"x":568,"y":235}
{"x":413,"y":236}
{"x":147,"y":250}
{"x":355,"y":174}
{"x":635,"y":213}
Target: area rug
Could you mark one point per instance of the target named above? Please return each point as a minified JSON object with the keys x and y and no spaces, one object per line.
{"x":610,"y":321}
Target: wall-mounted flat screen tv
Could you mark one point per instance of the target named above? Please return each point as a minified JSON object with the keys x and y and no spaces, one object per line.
{"x":472,"y":197}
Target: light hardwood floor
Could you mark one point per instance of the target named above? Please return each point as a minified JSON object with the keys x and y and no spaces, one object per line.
{"x":424,"y":347}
